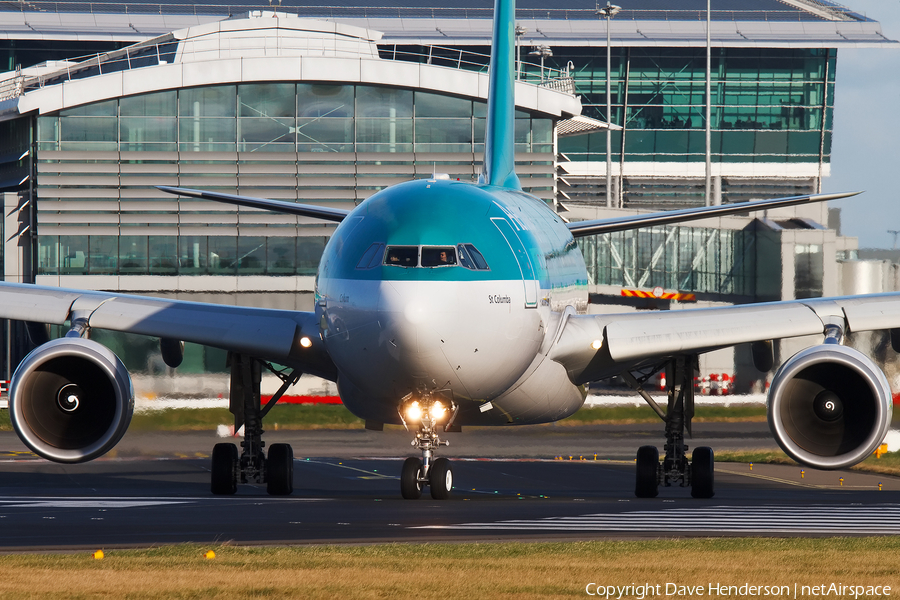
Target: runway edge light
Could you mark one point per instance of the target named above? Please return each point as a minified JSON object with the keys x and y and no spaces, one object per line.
{"x":209,"y":554}
{"x":98,"y":555}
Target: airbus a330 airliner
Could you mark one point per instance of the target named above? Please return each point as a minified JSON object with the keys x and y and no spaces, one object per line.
{"x":441,"y":304}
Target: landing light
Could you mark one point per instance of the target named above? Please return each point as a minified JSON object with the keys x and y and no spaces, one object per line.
{"x":437,"y":410}
{"x":305,"y":342}
{"x":414,"y":412}
{"x":597,"y":344}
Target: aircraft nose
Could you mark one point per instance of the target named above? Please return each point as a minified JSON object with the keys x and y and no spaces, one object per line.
{"x":411,"y":335}
{"x":411,"y":315}
{"x":416,"y":310}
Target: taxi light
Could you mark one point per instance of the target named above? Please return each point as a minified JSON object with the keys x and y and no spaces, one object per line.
{"x":597,"y":344}
{"x":414,"y":412}
{"x":437,"y":410}
{"x":305,"y":342}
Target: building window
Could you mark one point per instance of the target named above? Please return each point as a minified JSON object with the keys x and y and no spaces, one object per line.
{"x":280,"y":117}
{"x":686,"y":259}
{"x":758,"y":96}
{"x":173,"y":255}
{"x":808,"y":271}
{"x":305,"y":141}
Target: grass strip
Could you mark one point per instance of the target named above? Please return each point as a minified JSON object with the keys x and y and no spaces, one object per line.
{"x":283,"y":416}
{"x":519,"y":571}
{"x":887,"y":464}
{"x":603,"y":415}
{"x":286,"y":416}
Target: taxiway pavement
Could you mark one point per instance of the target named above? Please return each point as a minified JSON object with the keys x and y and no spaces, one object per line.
{"x":508,"y":484}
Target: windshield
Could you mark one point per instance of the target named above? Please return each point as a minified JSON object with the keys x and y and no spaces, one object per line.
{"x":402,"y":256}
{"x":438,"y":256}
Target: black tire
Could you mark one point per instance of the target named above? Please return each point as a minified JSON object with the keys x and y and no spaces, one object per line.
{"x":280,"y":470}
{"x":703,"y":472}
{"x":646,"y":473}
{"x":224,"y":475}
{"x":410,"y":487}
{"x":440,"y":479}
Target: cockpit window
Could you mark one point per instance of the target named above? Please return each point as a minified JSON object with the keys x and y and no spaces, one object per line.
{"x":471,"y":258}
{"x":402,"y":256}
{"x":372,"y":257}
{"x":463,"y":255}
{"x":438,"y":256}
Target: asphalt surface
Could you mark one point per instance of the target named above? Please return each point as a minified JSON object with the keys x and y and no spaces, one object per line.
{"x":539,"y":441}
{"x":508,"y":484}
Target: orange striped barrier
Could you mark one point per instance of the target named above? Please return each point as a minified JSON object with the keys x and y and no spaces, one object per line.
{"x":659,"y":294}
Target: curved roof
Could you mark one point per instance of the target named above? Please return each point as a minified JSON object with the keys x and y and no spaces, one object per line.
{"x":643,"y":10}
{"x":765,"y":23}
{"x":256,"y":50}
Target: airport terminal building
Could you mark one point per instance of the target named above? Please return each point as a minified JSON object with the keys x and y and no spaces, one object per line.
{"x":327,"y":105}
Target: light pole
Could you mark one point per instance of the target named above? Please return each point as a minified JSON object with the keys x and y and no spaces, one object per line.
{"x":708,"y":131}
{"x":520,"y":31}
{"x":543,"y":51}
{"x":608,"y":11}
{"x":895,"y":233}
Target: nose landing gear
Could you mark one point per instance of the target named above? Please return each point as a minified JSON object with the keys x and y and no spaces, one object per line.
{"x":428,"y":412}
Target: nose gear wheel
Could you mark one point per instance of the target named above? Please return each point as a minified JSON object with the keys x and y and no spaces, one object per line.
{"x":410,"y":486}
{"x":435,"y":473}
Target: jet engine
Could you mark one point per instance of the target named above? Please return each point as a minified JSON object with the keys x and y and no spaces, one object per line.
{"x":829,"y":406}
{"x":71,"y":400}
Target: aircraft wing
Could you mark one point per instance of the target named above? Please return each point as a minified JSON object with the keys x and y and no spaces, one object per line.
{"x":291,"y":208}
{"x":591,"y":347}
{"x":669,"y":217}
{"x":263,"y":333}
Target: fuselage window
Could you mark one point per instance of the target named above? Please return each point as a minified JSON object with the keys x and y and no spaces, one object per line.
{"x":471,"y":258}
{"x":438,"y":256}
{"x":372,"y":257}
{"x":402,"y":256}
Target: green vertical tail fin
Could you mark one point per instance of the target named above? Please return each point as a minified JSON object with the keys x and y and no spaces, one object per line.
{"x":499,"y":144}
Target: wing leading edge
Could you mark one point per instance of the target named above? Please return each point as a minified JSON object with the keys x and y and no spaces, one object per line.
{"x":291,"y":208}
{"x":264,"y":333}
{"x":595,"y":226}
{"x":577,"y":228}
{"x":591,"y":347}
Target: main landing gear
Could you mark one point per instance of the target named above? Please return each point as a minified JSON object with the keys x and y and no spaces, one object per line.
{"x":252,"y":465}
{"x":675,"y":468}
{"x":428,"y":412}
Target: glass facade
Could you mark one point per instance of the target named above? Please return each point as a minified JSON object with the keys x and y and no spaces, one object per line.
{"x":687,"y":259}
{"x":768,"y":105}
{"x":809,"y":266}
{"x":97,"y":164}
{"x":28,"y":53}
{"x":178,"y":255}
{"x":284,"y":117}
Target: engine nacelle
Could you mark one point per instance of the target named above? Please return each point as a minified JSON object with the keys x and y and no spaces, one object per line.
{"x":71,"y":400}
{"x":829,"y":406}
